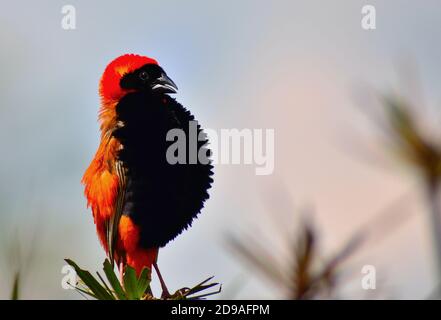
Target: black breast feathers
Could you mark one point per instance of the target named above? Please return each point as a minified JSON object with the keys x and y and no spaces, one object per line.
{"x":161,"y":198}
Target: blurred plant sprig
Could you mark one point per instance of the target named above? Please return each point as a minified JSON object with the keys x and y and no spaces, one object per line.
{"x":420,"y":150}
{"x":306,"y":275}
{"x":132,"y":287}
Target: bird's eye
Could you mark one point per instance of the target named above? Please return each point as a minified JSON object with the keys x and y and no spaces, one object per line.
{"x":143,"y":75}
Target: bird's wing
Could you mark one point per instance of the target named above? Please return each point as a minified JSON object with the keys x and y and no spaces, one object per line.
{"x":113,"y":223}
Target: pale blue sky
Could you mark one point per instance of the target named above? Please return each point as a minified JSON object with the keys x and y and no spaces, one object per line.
{"x":288,"y":65}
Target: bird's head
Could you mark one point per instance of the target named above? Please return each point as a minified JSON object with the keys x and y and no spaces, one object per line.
{"x":131,"y":73}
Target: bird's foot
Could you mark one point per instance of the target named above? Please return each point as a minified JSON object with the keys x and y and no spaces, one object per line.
{"x":165,"y":293}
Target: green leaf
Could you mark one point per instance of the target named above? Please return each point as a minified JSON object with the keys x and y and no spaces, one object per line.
{"x":201,"y":286}
{"x":105,"y":285}
{"x":88,"y":292}
{"x":131,"y":284}
{"x":201,"y":296}
{"x":113,"y":280}
{"x":144,"y":281}
{"x":98,"y":290}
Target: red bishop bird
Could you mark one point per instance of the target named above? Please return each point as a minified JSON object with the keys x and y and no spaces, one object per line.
{"x":139,"y":200}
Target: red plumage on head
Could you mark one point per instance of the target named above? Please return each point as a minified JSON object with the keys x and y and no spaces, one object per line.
{"x":109,"y":88}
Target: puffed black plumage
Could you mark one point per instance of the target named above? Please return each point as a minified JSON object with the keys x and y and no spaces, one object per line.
{"x":162,"y":199}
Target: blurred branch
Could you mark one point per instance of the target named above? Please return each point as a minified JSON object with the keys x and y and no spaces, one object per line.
{"x":15,"y":287}
{"x":419,"y":150}
{"x":306,"y":275}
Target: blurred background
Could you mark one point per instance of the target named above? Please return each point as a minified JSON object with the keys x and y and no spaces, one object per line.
{"x":305,"y":68}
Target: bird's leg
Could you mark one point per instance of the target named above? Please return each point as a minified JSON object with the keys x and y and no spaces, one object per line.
{"x":165,"y":294}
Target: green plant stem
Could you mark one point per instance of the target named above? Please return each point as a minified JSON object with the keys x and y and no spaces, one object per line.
{"x":15,"y":287}
{"x":435,"y":222}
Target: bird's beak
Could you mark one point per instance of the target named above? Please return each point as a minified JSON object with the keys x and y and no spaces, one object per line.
{"x":164,"y":85}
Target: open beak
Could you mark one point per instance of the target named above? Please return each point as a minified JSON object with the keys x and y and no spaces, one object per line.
{"x":164,"y":85}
